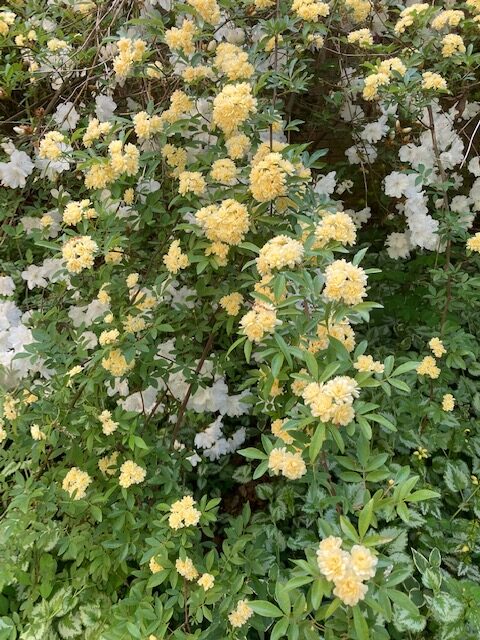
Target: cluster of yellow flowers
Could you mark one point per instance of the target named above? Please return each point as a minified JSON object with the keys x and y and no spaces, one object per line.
{"x":146,"y":126}
{"x":50,"y":148}
{"x":279,"y":432}
{"x":448,"y":402}
{"x":291,"y":465}
{"x":233,"y":62}
{"x":175,"y":259}
{"x":408,"y":15}
{"x":239,"y":616}
{"x":7,"y":18}
{"x":79,"y":253}
{"x":232,"y":106}
{"x":191,"y":182}
{"x":231,"y":303}
{"x":432,"y":80}
{"x":268,"y":177}
{"x":360,"y":9}
{"x":367,"y":363}
{"x":37,"y":433}
{"x":94,"y":131}
{"x":75,"y":211}
{"x":332,"y":401}
{"x":131,"y":473}
{"x":382,"y":77}
{"x":10,"y":407}
{"x":345,"y":282}
{"x":335,"y":226}
{"x":76,"y":482}
{"x":237,"y":145}
{"x":347,"y":570}
{"x":108,"y":425}
{"x":116,"y":363}
{"x":447,"y":18}
{"x":182,"y":38}
{"x":207,"y":9}
{"x":186,"y":569}
{"x":428,"y":366}
{"x":452,"y":44}
{"x":310,"y":10}
{"x":341,"y":331}
{"x":183,"y":513}
{"x":225,"y":225}
{"x":260,"y":320}
{"x":473,"y":243}
{"x":108,"y":464}
{"x":362,"y":37}
{"x":278,"y":253}
{"x":154,"y":566}
{"x":224,"y":171}
{"x":129,"y":52}
{"x":109,"y":336}
{"x":175,"y":157}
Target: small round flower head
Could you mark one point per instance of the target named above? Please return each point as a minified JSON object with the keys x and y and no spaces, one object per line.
{"x":186,"y":569}
{"x":206,"y":581}
{"x":131,"y":473}
{"x":154,"y":566}
{"x":428,"y":367}
{"x":473,"y":243}
{"x":448,"y":402}
{"x":350,"y":589}
{"x":239,"y":616}
{"x":436,"y":345}
{"x":76,"y":482}
{"x":362,"y":562}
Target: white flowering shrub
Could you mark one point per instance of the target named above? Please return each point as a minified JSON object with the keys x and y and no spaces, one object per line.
{"x":238,"y":379}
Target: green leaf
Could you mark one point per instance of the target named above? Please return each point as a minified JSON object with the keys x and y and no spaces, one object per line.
{"x":317,"y":441}
{"x":446,"y":609}
{"x":282,"y":597}
{"x":360,"y":624}
{"x":7,"y":629}
{"x":348,"y":529}
{"x":365,"y":518}
{"x":422,"y":494}
{"x":252,"y":453}
{"x":265,"y":608}
{"x":280,"y":629}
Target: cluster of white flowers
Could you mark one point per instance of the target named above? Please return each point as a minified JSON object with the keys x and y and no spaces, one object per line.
{"x":213,"y":442}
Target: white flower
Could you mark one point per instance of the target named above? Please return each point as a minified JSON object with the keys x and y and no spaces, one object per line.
{"x":13,"y":174}
{"x":325,"y":185}
{"x":104,"y":108}
{"x":398,"y":245}
{"x":401,"y":184}
{"x":66,"y":116}
{"x":474,"y":166}
{"x":7,"y":286}
{"x":375,"y":131}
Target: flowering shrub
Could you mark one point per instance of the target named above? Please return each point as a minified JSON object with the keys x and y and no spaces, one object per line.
{"x":238,"y":380}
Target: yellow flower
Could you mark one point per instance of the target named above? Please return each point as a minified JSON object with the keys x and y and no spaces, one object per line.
{"x":279,"y":432}
{"x":367,"y":363}
{"x":428,"y":367}
{"x":131,"y":473}
{"x":186,"y":569}
{"x":78,"y":253}
{"x":310,"y":10}
{"x":345,"y":282}
{"x":448,"y":402}
{"x":224,"y":171}
{"x":473,"y":243}
{"x":232,"y":106}
{"x":175,"y":260}
{"x":433,"y":81}
{"x":278,"y":253}
{"x":350,"y":589}
{"x":116,"y":363}
{"x":231,"y":303}
{"x":206,"y":581}
{"x":452,"y":44}
{"x":362,"y":37}
{"x":262,"y":319}
{"x":268,"y":177}
{"x":227,"y":222}
{"x":154,"y":566}
{"x":436,"y":345}
{"x":239,"y":616}
{"x":76,"y":482}
{"x":363,"y":562}
{"x":183,"y":513}
{"x":191,"y":182}
{"x":335,"y":226}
